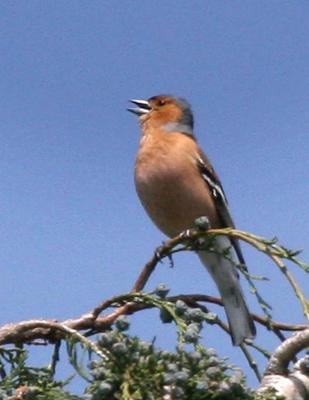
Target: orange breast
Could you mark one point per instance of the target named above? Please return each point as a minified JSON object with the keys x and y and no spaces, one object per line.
{"x":170,"y":187}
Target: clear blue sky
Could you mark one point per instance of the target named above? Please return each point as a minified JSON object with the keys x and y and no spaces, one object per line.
{"x":72,"y":229}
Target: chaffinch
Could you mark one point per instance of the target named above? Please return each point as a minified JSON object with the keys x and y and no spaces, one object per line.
{"x":176,"y":184}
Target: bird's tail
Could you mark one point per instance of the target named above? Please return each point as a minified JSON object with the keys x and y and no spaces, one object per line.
{"x":225,"y":275}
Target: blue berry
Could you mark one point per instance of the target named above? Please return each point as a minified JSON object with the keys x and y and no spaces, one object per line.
{"x":122,"y":323}
{"x":162,"y":290}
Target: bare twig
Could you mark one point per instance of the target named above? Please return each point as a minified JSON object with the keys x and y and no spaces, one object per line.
{"x":55,"y":358}
{"x":251,"y":361}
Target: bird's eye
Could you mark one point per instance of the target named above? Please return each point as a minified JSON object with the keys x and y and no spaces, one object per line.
{"x":161,"y":102}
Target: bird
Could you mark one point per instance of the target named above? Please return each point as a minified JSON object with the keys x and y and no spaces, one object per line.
{"x":177,"y":184}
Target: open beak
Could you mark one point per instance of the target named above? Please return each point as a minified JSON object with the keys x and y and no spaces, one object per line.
{"x":143,"y":107}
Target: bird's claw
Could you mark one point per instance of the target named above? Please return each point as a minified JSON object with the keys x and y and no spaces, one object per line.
{"x":185,"y":234}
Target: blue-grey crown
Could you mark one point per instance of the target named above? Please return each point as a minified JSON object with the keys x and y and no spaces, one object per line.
{"x":187,"y":118}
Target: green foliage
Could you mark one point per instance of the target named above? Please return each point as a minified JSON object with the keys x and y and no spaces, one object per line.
{"x":134,"y":370}
{"x":138,"y":370}
{"x":34,"y":383}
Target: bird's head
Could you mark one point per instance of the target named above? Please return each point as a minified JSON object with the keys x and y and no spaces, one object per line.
{"x":171,"y":113}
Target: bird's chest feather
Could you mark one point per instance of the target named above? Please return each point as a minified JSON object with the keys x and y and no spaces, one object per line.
{"x":163,"y":183}
{"x":159,"y":174}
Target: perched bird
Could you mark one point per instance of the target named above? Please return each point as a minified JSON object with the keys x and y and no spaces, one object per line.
{"x":176,"y":184}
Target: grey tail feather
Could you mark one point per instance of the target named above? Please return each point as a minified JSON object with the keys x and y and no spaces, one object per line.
{"x":226,"y":278}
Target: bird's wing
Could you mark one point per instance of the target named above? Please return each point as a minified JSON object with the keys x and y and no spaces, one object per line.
{"x":210,"y":177}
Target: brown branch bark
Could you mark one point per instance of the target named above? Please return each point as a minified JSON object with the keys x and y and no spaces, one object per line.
{"x":52,"y":331}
